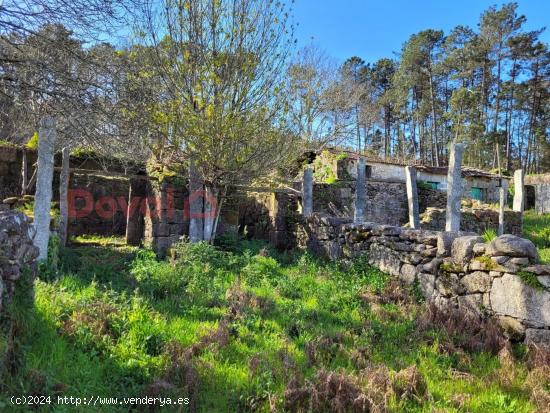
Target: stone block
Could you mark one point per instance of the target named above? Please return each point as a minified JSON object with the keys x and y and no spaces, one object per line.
{"x":427,"y":284}
{"x":477,"y":282}
{"x":512,"y":246}
{"x":512,"y":297}
{"x":479,"y":249}
{"x":537,"y":336}
{"x":471,"y":303}
{"x":462,"y":248}
{"x":408,"y":274}
{"x":512,"y":328}
{"x":449,"y":285}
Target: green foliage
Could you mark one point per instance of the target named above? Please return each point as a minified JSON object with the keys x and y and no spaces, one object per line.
{"x":28,"y":209}
{"x":83,"y":152}
{"x":531,"y":280}
{"x":48,"y":270}
{"x":536,"y":227}
{"x":489,"y":235}
{"x":450,"y":267}
{"x":488,"y":263}
{"x":341,"y":156}
{"x":238,"y":324}
{"x":32,"y":143}
{"x":8,"y":144}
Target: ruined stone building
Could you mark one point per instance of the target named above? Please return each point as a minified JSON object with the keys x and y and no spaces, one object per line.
{"x":477,"y":184}
{"x":538,"y":193}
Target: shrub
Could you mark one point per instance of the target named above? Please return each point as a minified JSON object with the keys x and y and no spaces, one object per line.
{"x":489,"y":235}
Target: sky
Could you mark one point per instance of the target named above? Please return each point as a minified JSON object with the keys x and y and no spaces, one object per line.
{"x":373,"y":29}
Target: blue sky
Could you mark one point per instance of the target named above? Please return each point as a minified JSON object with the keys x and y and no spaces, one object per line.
{"x":372,"y":29}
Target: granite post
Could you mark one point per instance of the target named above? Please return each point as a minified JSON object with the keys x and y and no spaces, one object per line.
{"x":412,"y":197}
{"x":43,"y":196}
{"x":360,"y":193}
{"x":307,"y":192}
{"x":454,"y":188}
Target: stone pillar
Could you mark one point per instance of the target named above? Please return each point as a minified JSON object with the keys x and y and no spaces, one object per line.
{"x":412,"y":197}
{"x":519,"y":191}
{"x":454,"y":188}
{"x":503,"y":192}
{"x":134,"y":216}
{"x":196,"y":204}
{"x":307,"y":192}
{"x":360,"y":193}
{"x":43,"y":196}
{"x":63,"y":200}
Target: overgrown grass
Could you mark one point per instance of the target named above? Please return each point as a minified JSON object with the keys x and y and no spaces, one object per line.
{"x":242,"y":328}
{"x":537,"y":228}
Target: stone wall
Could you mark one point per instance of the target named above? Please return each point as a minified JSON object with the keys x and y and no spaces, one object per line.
{"x":17,"y":260}
{"x":271,"y":216}
{"x":166,"y":214}
{"x":17,"y":253}
{"x":476,"y":220}
{"x":431,"y":198}
{"x":109,"y":195}
{"x":500,"y":279}
{"x":10,"y":170}
{"x":542,"y":198}
{"x":386,"y":201}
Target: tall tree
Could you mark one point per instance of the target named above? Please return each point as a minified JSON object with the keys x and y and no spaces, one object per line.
{"x":221,"y":63}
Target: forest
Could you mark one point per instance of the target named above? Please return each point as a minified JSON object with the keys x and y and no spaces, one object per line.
{"x":485,"y":86}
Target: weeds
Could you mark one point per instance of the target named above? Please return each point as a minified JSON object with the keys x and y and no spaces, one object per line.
{"x":240,"y":327}
{"x":489,"y":235}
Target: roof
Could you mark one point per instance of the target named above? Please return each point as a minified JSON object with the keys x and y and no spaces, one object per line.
{"x":537,"y":179}
{"x":467,"y":171}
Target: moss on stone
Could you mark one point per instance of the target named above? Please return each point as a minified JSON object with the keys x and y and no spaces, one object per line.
{"x":450,"y":267}
{"x":487,"y":262}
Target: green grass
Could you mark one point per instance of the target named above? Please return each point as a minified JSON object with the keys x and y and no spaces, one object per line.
{"x":234,"y":328}
{"x":537,"y":228}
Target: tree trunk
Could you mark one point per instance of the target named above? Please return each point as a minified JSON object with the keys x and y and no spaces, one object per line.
{"x":63,"y":200}
{"x":434,"y":121}
{"x":196,"y":204}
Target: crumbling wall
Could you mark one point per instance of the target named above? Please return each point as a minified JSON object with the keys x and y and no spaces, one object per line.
{"x":17,"y":261}
{"x":166,"y":214}
{"x":11,"y":159}
{"x":476,"y":220}
{"x":500,"y":279}
{"x":272,"y":216}
{"x":386,"y":201}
